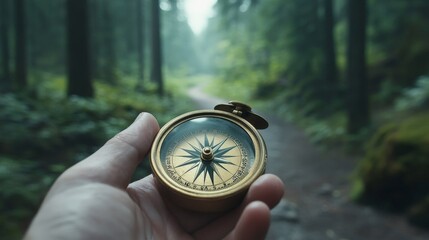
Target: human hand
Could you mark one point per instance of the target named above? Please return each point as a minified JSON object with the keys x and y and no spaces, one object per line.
{"x":94,"y":200}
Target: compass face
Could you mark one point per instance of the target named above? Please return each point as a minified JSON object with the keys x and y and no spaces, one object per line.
{"x":207,"y":154}
{"x":206,"y":160}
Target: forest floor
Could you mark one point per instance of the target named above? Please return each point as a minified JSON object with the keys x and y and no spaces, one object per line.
{"x":316,"y":204}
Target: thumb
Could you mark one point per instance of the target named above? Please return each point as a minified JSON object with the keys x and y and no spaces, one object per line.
{"x":116,"y":161}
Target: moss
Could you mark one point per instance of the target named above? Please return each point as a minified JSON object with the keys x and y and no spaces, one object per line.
{"x":395,"y":171}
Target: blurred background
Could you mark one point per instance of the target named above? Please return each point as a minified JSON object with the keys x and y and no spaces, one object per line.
{"x":352,"y":76}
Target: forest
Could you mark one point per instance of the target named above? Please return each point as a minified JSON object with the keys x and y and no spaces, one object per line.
{"x":353,"y":75}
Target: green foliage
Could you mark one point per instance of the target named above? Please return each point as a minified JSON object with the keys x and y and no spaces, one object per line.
{"x":23,"y":186}
{"x":397,"y":40}
{"x":415,"y":98}
{"x":280,"y":57}
{"x":394,"y":173}
{"x":330,"y":131}
{"x":43,"y":135}
{"x":52,"y":134}
{"x":55,"y":125}
{"x":387,"y":93}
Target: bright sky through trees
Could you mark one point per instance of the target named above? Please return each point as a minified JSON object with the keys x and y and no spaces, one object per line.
{"x":197,"y":13}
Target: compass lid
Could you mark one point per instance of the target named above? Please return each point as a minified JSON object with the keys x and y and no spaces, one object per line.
{"x":245,"y":111}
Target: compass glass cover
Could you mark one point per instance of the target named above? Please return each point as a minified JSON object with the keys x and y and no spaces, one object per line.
{"x":207,"y":154}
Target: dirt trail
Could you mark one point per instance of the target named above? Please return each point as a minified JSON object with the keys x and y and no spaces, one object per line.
{"x":316,"y":205}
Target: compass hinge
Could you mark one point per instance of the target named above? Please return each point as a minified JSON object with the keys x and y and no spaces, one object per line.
{"x":237,"y":112}
{"x":244,"y":111}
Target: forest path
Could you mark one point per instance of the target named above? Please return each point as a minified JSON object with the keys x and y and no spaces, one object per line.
{"x":316,"y":205}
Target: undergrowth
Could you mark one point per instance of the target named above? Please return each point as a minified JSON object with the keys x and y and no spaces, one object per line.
{"x":44,"y":132}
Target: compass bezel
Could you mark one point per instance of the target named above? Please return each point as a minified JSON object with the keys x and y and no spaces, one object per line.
{"x":201,"y":200}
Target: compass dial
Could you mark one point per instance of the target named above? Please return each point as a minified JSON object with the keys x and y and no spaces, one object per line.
{"x":206,"y":160}
{"x":207,"y":154}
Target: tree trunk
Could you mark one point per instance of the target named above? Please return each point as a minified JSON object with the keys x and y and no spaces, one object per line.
{"x":110,"y":68}
{"x":140,"y":43}
{"x":5,"y":80}
{"x":20,"y":45}
{"x":358,"y":104}
{"x":79,"y":74}
{"x":331,"y":83}
{"x":156,"y":47}
{"x":95,"y":23}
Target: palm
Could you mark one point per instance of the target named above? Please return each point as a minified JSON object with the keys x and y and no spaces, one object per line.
{"x":168,"y":220}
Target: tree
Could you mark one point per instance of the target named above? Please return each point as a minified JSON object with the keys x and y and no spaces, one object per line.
{"x":20,"y":45}
{"x":140,"y":42}
{"x":358,"y":99}
{"x":329,"y":52}
{"x":398,"y":36}
{"x":79,"y":74}
{"x":156,"y":48}
{"x":108,"y":31}
{"x":5,"y":80}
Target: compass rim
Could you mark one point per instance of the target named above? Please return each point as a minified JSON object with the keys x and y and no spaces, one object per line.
{"x":258,"y":167}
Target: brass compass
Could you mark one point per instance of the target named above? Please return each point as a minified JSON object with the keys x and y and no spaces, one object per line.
{"x":206,"y":160}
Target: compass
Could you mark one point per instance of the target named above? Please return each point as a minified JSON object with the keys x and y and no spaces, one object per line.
{"x":206,"y":160}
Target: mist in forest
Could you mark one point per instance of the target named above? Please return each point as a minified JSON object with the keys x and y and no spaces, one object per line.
{"x":353,"y":75}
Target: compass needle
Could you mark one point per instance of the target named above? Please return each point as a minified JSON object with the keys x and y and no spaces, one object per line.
{"x":192,"y":153}
{"x":200,"y":170}
{"x":206,"y":141}
{"x":217,"y":172}
{"x":219,"y":145}
{"x":212,"y":142}
{"x":221,"y":152}
{"x":210,"y":170}
{"x":205,"y":175}
{"x":186,"y":156}
{"x":220,"y":165}
{"x":199,"y":143}
{"x":197,"y":150}
{"x":223,"y":161}
{"x":191,"y":161}
{"x":196,"y":165}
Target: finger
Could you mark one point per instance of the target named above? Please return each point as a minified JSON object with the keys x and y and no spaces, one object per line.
{"x":253,"y":223}
{"x":115,"y":162}
{"x":268,"y":189}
